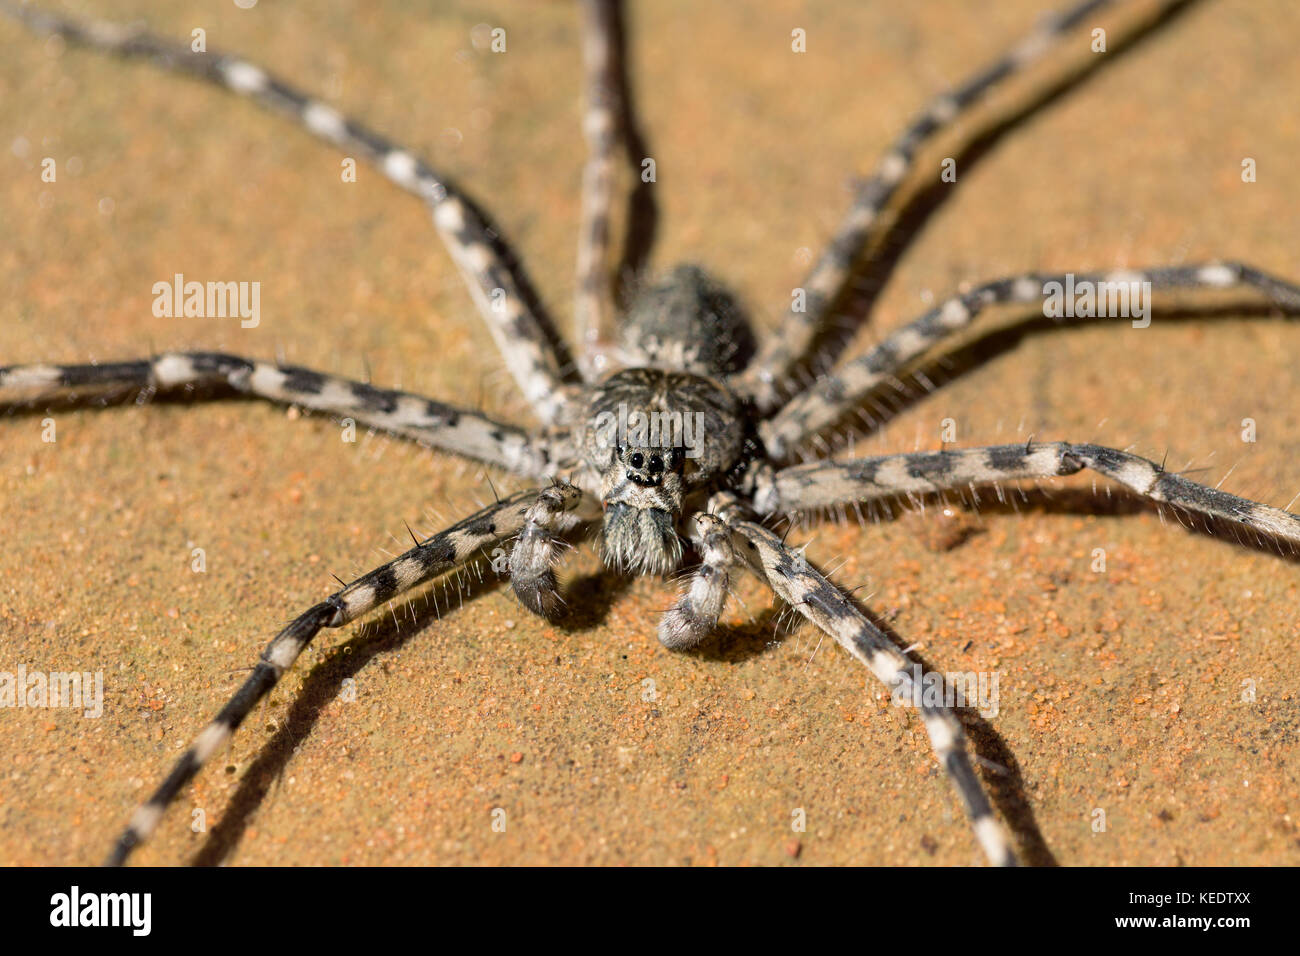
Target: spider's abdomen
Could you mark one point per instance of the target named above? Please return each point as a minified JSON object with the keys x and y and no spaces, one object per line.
{"x":689,"y":323}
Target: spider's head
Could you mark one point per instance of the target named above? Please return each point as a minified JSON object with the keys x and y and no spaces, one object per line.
{"x":654,"y":436}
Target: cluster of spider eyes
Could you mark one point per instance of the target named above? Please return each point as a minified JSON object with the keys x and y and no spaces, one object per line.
{"x":670,"y":459}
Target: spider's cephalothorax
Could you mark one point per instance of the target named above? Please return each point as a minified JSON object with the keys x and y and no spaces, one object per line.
{"x":667,"y":426}
{"x":692,"y":438}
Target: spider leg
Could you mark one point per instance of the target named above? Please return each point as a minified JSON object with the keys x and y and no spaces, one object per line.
{"x":695,"y":615}
{"x":540,"y":543}
{"x":602,"y":54}
{"x":788,"y":574}
{"x":456,"y":430}
{"x":433,"y":556}
{"x":767,"y":378}
{"x":835,"y":393}
{"x":814,"y":486}
{"x":530,"y":347}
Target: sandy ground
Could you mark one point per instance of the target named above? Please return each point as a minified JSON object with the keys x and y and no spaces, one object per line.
{"x":1119,"y":691}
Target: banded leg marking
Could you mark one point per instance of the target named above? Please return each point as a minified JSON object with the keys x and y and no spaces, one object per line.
{"x":695,"y":614}
{"x":814,"y":486}
{"x":533,"y":558}
{"x":441,"y":426}
{"x":834,"y":394}
{"x":479,"y":252}
{"x":767,"y":376}
{"x":434,"y":556}
{"x":601,"y":127}
{"x":828,"y":609}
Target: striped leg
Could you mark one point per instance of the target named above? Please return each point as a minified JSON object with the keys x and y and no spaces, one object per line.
{"x":828,"y":609}
{"x":814,"y":486}
{"x":767,"y":377}
{"x":835,"y":393}
{"x":524,"y":338}
{"x":602,"y":56}
{"x":695,"y":615}
{"x":434,"y":556}
{"x":532,"y":560}
{"x":456,"y":430}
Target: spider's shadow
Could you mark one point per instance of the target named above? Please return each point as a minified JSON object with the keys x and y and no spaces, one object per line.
{"x":124,"y":395}
{"x":1111,"y":501}
{"x":893,"y":398}
{"x":733,"y":643}
{"x":589,"y":598}
{"x":321,"y":686}
{"x":642,"y":209}
{"x":871,"y":276}
{"x":324,"y":681}
{"x":1006,"y":785}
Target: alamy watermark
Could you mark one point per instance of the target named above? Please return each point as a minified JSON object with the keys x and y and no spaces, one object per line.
{"x":210,"y":300}
{"x":82,"y":690}
{"x":919,"y":688}
{"x":1112,"y":298}
{"x":657,"y":429}
{"x":133,"y":911}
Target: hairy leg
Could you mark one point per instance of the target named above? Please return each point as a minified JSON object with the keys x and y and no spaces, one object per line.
{"x":834,"y":394}
{"x":767,"y":379}
{"x":435,"y":555}
{"x":603,"y":74}
{"x":523,"y":337}
{"x":822,"y":603}
{"x":814,"y":486}
{"x":441,"y":426}
{"x":540,"y":544}
{"x":695,"y":614}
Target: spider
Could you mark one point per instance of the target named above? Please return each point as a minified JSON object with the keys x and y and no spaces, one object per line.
{"x":734,"y":414}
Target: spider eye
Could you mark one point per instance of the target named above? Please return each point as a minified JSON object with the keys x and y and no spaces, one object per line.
{"x":637,"y":460}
